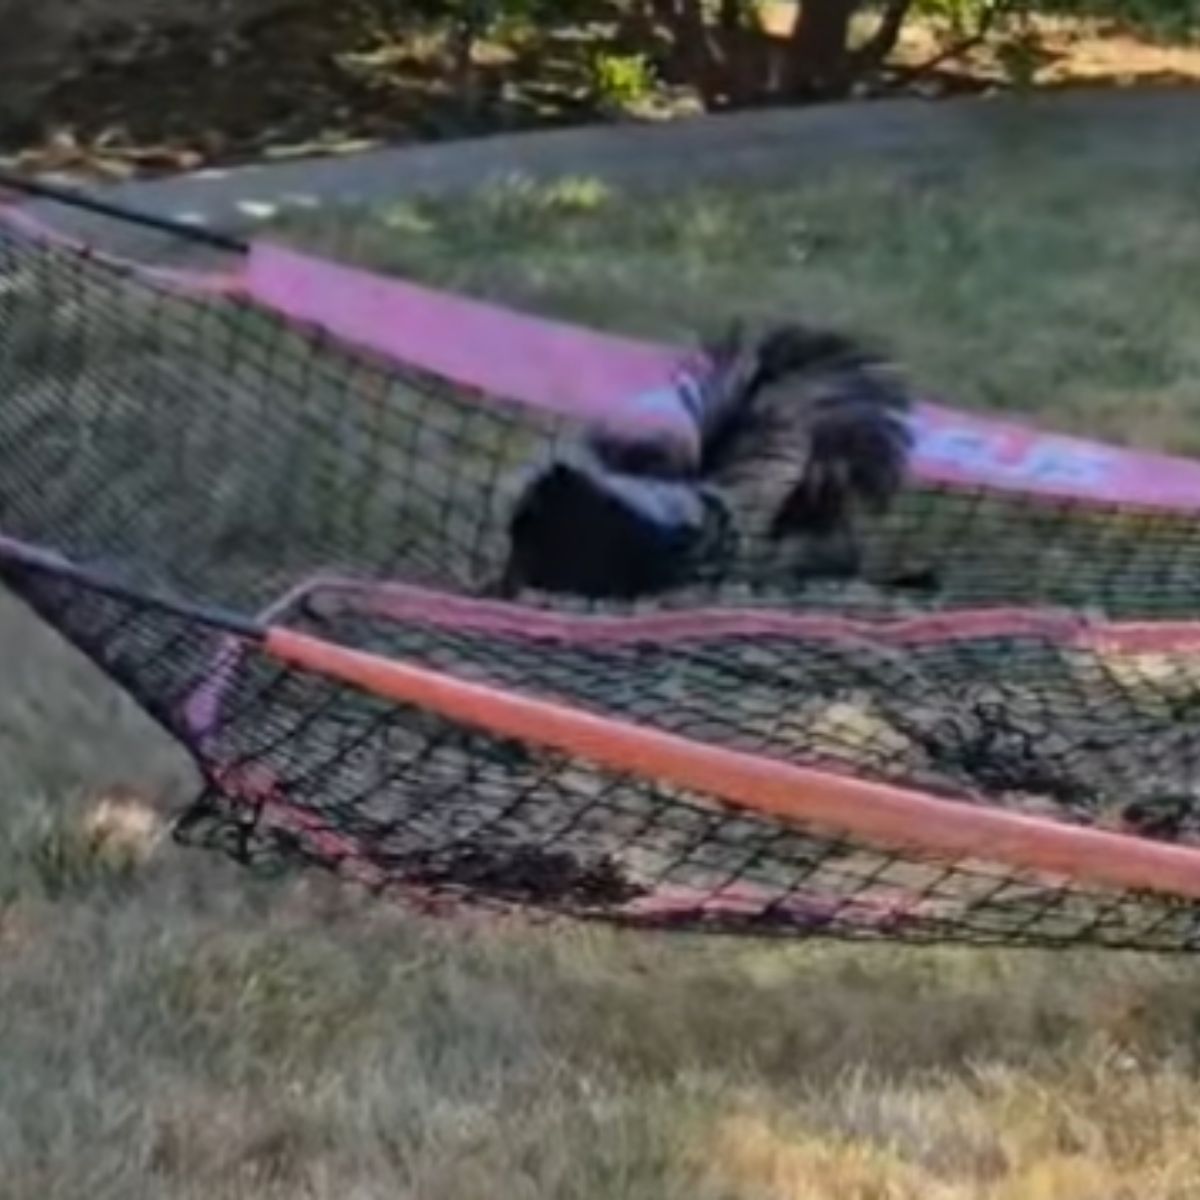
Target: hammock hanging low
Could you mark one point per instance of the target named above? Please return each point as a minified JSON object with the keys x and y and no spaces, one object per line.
{"x":265,"y":503}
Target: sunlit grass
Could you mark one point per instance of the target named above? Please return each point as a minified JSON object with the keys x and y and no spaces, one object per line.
{"x":1042,"y":266}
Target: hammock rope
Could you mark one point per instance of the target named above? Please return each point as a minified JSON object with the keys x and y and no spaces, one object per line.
{"x":273,"y":534}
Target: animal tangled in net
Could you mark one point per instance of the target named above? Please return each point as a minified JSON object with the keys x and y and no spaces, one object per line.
{"x":803,"y":413}
{"x":802,"y":689}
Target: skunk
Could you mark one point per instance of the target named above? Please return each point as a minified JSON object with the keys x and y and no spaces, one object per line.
{"x":806,"y":414}
{"x":584,"y":529}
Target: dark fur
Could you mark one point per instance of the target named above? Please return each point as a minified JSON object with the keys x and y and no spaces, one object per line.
{"x":713,"y":393}
{"x":817,"y":411}
{"x":571,"y":534}
{"x":808,"y":409}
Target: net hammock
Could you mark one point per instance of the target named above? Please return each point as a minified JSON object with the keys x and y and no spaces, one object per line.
{"x":267,"y":504}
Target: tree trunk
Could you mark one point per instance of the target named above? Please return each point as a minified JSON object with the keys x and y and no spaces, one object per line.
{"x":695,"y":57}
{"x":887,"y":33}
{"x":820,"y":62}
{"x":471,"y":26}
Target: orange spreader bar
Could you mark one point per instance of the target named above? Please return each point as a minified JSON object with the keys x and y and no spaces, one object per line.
{"x":886,"y":816}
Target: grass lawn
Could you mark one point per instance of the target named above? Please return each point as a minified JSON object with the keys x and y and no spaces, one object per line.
{"x":172,"y":1028}
{"x":1039,"y":265}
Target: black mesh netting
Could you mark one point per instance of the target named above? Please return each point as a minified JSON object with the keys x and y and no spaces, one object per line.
{"x":210,"y":448}
{"x":205,"y":449}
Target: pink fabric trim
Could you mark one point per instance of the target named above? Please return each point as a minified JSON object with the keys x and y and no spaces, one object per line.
{"x":407,"y":603}
{"x":625,"y":383}
{"x":201,"y":282}
{"x":600,"y":377}
{"x":550,"y":365}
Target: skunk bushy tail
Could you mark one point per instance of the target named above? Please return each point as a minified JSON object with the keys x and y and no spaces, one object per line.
{"x":815,"y":405}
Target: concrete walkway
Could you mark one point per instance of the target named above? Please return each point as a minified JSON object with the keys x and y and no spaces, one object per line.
{"x":755,"y":144}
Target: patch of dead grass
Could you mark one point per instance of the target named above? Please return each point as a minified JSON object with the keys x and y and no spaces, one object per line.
{"x":1107,"y":1128}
